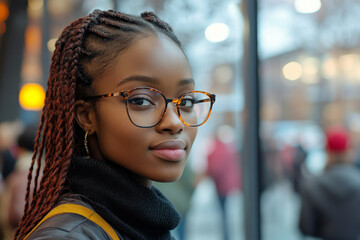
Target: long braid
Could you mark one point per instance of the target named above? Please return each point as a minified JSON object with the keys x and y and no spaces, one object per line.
{"x":53,"y":106}
{"x":38,"y":151}
{"x":42,"y":199}
{"x":71,"y":74}
{"x":29,"y":178}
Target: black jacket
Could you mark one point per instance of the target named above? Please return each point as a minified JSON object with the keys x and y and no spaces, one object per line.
{"x":331,"y":204}
{"x":70,"y":226}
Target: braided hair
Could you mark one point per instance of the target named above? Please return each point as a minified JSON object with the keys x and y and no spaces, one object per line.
{"x":84,"y":50}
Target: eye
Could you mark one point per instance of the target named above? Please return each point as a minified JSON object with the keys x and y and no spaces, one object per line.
{"x":140,"y":101}
{"x":187,"y":102}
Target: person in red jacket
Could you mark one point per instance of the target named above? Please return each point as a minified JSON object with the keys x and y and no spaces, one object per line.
{"x":224,"y":169}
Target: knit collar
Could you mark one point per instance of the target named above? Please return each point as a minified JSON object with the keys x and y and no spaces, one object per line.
{"x":134,"y":210}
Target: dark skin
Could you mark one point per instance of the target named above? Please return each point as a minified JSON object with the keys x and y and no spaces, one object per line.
{"x":151,"y":61}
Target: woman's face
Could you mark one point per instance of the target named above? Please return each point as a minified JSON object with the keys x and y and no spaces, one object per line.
{"x":157,"y":153}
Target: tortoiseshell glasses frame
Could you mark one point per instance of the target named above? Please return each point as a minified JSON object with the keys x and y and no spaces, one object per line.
{"x":201,"y":103}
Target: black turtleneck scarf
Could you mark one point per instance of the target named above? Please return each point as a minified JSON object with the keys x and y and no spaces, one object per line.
{"x":134,"y":210}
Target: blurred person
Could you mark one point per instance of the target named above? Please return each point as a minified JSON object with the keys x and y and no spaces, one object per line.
{"x":272,"y":169}
{"x":8,"y":161}
{"x":224,"y":169}
{"x":8,"y":154}
{"x":330,"y":204}
{"x":180,"y":193}
{"x":15,"y":184}
{"x":9,"y":132}
{"x":121,"y":111}
{"x":298,"y":169}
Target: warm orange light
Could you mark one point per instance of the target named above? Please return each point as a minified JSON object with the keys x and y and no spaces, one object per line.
{"x":33,"y":39}
{"x":4,"y":12}
{"x":32,"y":97}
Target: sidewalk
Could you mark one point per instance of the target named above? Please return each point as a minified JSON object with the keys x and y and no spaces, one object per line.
{"x":280,"y":208}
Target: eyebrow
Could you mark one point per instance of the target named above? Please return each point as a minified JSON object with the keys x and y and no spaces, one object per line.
{"x":147,"y":79}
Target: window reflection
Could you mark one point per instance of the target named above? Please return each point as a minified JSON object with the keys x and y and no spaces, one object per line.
{"x":309,"y":76}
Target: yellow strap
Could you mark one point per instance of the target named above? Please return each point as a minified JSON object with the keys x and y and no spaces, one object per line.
{"x":80,"y":210}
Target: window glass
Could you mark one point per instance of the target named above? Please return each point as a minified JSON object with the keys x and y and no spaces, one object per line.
{"x":310,"y":80}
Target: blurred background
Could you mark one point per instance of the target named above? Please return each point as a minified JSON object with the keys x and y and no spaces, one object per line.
{"x":308,"y":76}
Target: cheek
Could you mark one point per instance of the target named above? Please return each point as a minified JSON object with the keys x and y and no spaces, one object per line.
{"x":192,"y":132}
{"x":118,"y":138}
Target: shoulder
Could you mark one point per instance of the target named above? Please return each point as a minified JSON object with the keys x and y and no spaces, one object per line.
{"x":68,"y":226}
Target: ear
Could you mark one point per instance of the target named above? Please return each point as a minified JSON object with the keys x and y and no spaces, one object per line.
{"x":85,"y":116}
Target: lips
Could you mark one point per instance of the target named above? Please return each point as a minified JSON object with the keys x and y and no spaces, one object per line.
{"x":172,"y":150}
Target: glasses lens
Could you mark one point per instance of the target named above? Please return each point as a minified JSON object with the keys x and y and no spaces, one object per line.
{"x":195,"y":108}
{"x":145,"y":107}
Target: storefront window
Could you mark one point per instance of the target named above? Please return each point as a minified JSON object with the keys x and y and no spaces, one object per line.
{"x":310,"y":79}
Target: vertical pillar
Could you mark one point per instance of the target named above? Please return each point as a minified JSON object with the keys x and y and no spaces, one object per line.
{"x":251,"y":139}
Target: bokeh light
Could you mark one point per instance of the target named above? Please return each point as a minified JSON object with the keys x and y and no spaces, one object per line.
{"x":329,"y":68}
{"x":217,"y":32}
{"x":32,"y":97}
{"x":4,"y":12}
{"x":307,"y":6}
{"x":292,"y":71}
{"x":51,"y":44}
{"x":310,"y":70}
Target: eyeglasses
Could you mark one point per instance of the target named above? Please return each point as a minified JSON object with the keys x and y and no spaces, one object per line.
{"x":147,"y":106}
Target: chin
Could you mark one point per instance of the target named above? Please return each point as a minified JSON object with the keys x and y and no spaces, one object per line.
{"x":165,"y":180}
{"x":169,"y":177}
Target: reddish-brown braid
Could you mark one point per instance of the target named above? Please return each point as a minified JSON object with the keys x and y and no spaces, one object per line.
{"x":98,"y":38}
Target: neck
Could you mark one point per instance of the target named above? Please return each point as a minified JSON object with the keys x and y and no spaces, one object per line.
{"x":135,"y":210}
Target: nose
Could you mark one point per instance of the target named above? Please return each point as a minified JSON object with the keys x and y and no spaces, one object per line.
{"x":170,"y":122}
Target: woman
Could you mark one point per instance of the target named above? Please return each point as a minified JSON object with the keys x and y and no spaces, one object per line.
{"x":120,"y":112}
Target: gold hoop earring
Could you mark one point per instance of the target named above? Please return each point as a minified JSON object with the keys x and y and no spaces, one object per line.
{"x":86,"y":143}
